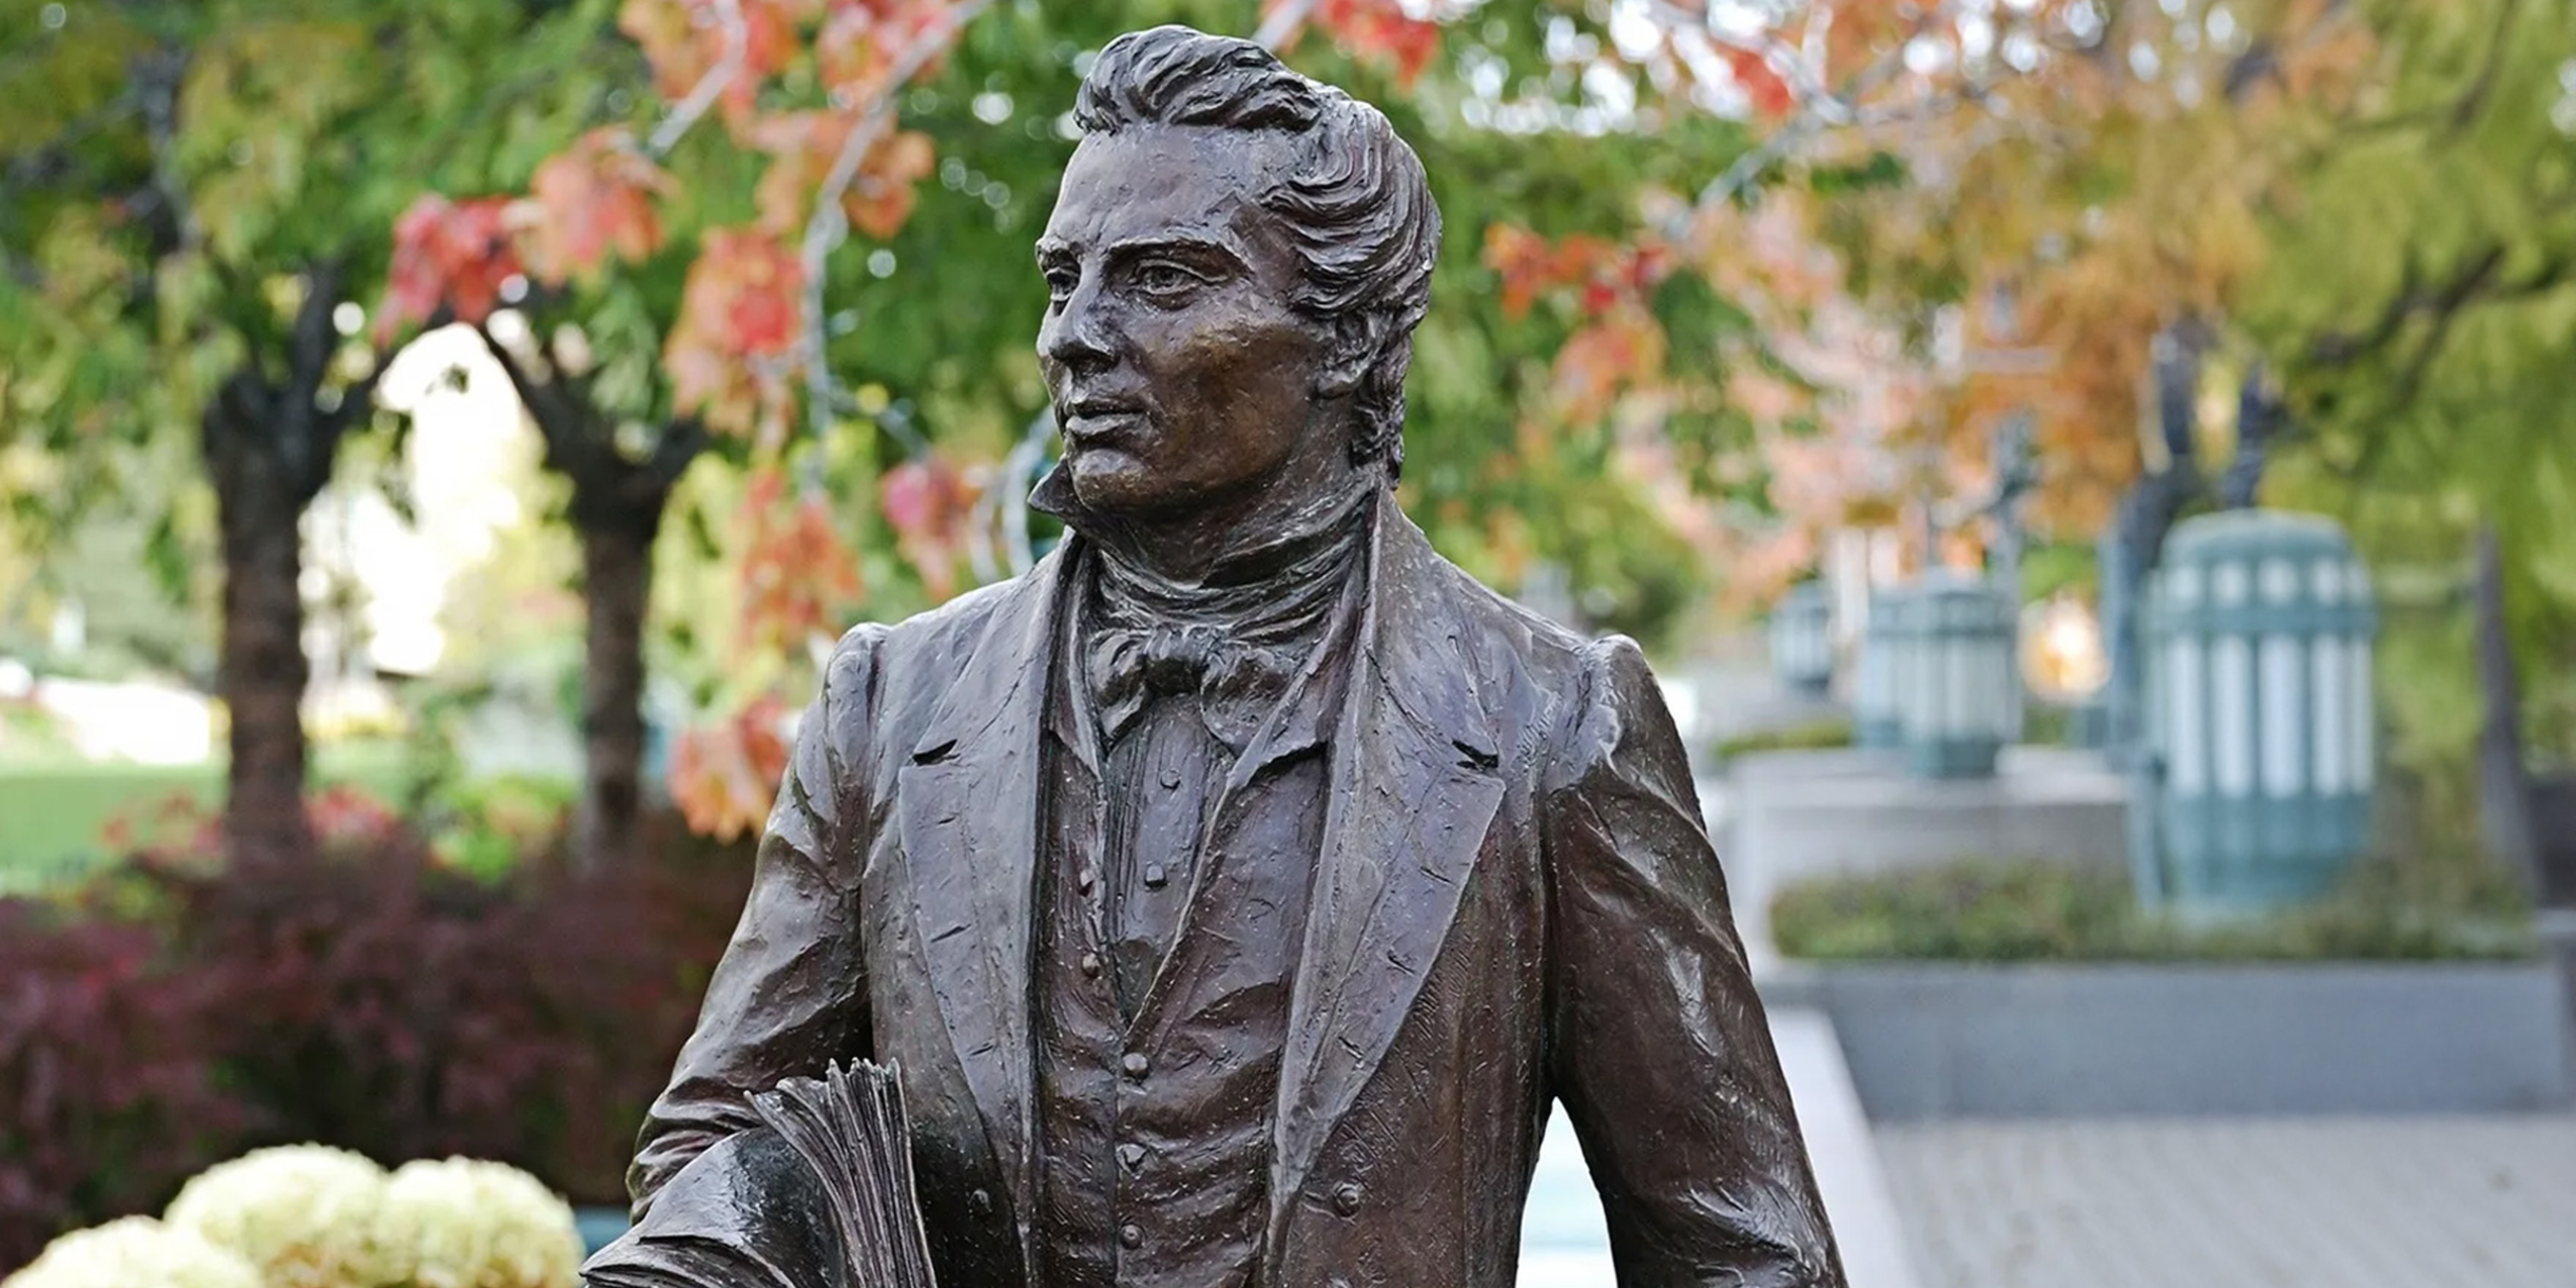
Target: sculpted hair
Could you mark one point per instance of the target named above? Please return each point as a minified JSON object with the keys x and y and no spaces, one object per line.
{"x":1356,"y":204}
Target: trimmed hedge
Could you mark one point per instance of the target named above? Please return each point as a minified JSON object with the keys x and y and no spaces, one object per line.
{"x":2000,"y":911}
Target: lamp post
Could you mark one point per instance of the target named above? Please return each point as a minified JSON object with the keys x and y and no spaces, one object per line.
{"x":2258,"y":641}
{"x":1877,"y":723}
{"x":1802,"y":639}
{"x":1956,"y":683}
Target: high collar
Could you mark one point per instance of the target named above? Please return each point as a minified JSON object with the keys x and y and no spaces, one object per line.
{"x":1251,"y":553}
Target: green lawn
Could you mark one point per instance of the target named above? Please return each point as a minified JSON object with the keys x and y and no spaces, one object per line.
{"x":53,"y":812}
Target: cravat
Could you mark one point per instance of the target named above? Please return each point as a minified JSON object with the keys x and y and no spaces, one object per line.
{"x":1237,"y":683}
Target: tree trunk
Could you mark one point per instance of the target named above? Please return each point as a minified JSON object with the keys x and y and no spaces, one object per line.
{"x":2136,"y":542}
{"x":268,"y":446}
{"x":262,"y":674}
{"x":617,"y":577}
{"x":2505,"y":797}
{"x":617,"y":508}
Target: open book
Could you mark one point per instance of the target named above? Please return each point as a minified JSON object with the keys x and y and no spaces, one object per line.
{"x":820,"y":1195}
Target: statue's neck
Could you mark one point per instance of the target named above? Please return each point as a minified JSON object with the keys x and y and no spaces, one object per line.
{"x":1232,"y":545}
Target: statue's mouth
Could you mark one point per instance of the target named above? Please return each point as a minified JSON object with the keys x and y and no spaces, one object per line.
{"x":1089,"y":420}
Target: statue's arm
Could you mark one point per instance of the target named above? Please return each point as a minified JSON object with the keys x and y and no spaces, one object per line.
{"x":791,"y":990}
{"x":1658,"y":1047}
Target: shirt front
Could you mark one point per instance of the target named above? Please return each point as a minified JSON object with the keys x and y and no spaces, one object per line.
{"x":1180,"y":844}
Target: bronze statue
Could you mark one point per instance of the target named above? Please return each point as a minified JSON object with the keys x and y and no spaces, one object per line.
{"x":1236,"y":890}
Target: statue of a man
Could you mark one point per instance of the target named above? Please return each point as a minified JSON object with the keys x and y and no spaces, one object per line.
{"x":1237,"y":889}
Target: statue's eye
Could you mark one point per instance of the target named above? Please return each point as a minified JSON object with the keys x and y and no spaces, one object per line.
{"x":1060,"y":283}
{"x":1163,"y":277}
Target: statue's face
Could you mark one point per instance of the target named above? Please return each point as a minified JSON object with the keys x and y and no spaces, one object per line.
{"x":1181,"y":376}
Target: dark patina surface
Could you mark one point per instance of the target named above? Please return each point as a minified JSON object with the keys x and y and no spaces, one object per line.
{"x":1238,"y":890}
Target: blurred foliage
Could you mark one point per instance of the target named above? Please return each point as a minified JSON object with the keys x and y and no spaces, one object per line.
{"x":175,"y":168}
{"x":2433,"y":907}
{"x":2419,"y":300}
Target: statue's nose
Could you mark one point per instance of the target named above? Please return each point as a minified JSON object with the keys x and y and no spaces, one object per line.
{"x":1077,"y":334}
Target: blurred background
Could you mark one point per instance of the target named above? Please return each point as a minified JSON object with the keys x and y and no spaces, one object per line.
{"x":2098,"y":478}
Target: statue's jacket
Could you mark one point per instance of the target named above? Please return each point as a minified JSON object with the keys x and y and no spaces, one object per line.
{"x":1515,"y":904}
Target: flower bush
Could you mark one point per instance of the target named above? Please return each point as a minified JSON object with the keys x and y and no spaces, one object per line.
{"x":135,"y":1252}
{"x":309,"y":1216}
{"x":306,"y":1215}
{"x":460,"y":1223}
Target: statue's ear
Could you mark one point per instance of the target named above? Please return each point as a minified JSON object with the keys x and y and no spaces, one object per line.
{"x":1352,"y":342}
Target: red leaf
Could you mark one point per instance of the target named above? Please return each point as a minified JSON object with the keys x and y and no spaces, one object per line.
{"x":929,"y":502}
{"x":1771,"y":95}
{"x":456,"y":253}
{"x":861,"y":40}
{"x":1380,"y":30}
{"x":593,"y":200}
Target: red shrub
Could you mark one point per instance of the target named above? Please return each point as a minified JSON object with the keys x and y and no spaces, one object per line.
{"x":369,"y":999}
{"x":108,"y":1084}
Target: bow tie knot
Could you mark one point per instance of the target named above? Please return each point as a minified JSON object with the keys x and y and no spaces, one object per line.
{"x":1174,"y":659}
{"x":1235,"y":682}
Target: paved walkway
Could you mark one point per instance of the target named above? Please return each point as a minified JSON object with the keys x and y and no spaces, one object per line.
{"x":2269,"y":1203}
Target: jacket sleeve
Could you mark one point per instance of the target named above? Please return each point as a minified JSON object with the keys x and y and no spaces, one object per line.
{"x":790,"y":992}
{"x":1658,"y":1046}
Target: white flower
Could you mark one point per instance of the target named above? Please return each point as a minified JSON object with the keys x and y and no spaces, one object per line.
{"x":459,"y":1223}
{"x":306,"y":1216}
{"x":136,"y":1252}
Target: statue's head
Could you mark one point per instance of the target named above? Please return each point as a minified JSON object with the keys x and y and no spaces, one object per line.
{"x":1234,"y":269}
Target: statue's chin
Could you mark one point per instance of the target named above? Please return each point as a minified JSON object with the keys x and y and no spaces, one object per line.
{"x":1113,"y":485}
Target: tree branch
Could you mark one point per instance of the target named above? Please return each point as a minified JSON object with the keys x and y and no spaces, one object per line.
{"x":710,"y":87}
{"x":2344,"y":349}
{"x":683,"y":437}
{"x":829,"y":224}
{"x":562,"y":420}
{"x":1282,"y":23}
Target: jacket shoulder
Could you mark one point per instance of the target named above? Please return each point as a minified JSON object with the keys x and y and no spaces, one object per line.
{"x":1508,"y":640}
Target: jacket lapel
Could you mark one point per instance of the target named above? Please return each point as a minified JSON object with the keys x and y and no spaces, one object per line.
{"x":1416,"y":783}
{"x":968,"y":805}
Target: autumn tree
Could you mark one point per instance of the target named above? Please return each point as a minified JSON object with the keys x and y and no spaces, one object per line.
{"x":191,"y":228}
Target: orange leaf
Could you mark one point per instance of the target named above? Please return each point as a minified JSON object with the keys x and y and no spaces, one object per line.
{"x":881,"y":198}
{"x":862,"y":39}
{"x":593,"y":200}
{"x":798,"y":575}
{"x":740,"y":312}
{"x":724,"y":776}
{"x":803,"y":147}
{"x":685,"y":40}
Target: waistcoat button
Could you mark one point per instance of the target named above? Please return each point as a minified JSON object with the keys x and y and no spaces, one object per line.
{"x":1346,"y":1197}
{"x":1135,"y":1064}
{"x":1131,"y":1236}
{"x":981,"y":1201}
